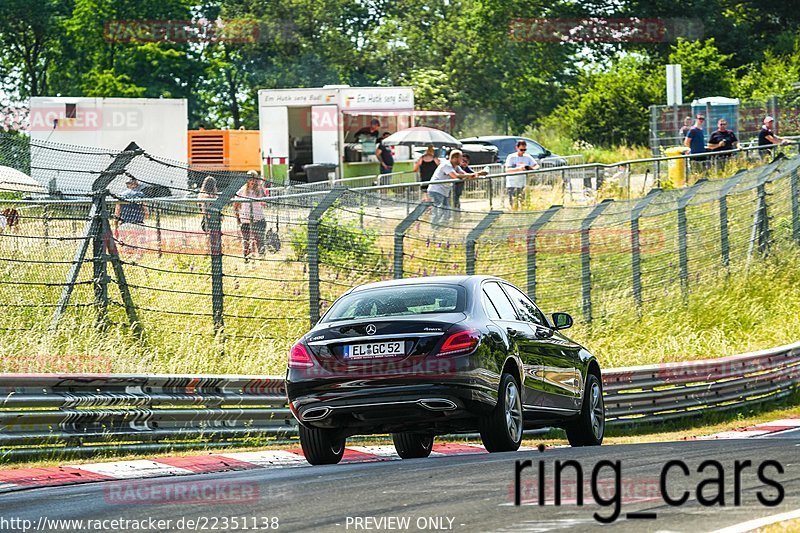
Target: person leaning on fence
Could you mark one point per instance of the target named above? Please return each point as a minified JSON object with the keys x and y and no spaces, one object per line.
{"x":722,"y":140}
{"x":426,"y":165}
{"x":516,"y":163}
{"x":440,"y":192}
{"x":208,"y":191}
{"x":249,"y":213}
{"x":458,"y":188}
{"x":767,"y":137}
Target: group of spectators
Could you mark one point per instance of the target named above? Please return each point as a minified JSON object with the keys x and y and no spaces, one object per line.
{"x":456,"y":167}
{"x":723,"y":140}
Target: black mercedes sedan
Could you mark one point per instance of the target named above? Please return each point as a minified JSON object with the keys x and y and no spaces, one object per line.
{"x":421,"y":357}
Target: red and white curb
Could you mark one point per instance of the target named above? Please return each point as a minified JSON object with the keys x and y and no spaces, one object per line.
{"x":25,"y":478}
{"x":758,"y":430}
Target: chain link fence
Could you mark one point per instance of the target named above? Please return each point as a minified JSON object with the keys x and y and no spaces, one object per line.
{"x":242,"y":270}
{"x":744,"y":119}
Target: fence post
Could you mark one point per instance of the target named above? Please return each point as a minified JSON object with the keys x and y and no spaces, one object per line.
{"x":491,"y":193}
{"x":683,"y":252}
{"x":474,"y":235}
{"x":215,"y":251}
{"x":215,"y":247}
{"x":100,"y":184}
{"x":99,"y":260}
{"x":795,"y":191}
{"x":157,"y":209}
{"x":313,"y":250}
{"x":586,"y":273}
{"x":533,"y":229}
{"x":723,"y":216}
{"x":46,"y":221}
{"x":400,"y":233}
{"x":763,"y":220}
{"x":636,"y":260}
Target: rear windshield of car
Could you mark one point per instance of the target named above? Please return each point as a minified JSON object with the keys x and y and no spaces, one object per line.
{"x":402,"y":300}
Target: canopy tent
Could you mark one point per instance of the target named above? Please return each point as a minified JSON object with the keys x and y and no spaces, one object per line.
{"x":13,"y":180}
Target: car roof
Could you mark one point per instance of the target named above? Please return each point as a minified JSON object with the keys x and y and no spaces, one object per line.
{"x":445,"y":280}
{"x":495,"y":138}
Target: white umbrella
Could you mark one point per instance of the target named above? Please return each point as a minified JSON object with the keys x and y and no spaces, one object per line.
{"x":13,"y":180}
{"x":421,"y":136}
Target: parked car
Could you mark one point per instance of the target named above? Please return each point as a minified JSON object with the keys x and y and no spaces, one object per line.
{"x":423,"y":357}
{"x":506,"y":145}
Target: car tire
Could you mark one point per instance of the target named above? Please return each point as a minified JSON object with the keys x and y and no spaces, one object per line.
{"x":589,"y":428}
{"x":412,"y":445}
{"x":501,"y":430}
{"x":321,"y":446}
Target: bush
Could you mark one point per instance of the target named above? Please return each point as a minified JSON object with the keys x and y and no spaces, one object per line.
{"x":342,"y":243}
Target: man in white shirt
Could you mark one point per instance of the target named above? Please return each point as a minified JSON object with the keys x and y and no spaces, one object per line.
{"x":517,"y":163}
{"x":440,"y":192}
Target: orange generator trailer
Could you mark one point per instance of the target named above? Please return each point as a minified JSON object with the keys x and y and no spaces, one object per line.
{"x":234,"y":150}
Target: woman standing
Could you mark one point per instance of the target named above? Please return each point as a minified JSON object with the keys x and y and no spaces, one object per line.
{"x":208,"y":191}
{"x":426,"y":166}
{"x":250,"y":215}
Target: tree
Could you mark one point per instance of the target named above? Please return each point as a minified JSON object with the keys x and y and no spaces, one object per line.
{"x":611,"y":107}
{"x":29,"y":32}
{"x":704,"y":69}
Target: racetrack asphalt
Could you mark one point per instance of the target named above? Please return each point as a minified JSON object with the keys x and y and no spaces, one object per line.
{"x":459,"y":493}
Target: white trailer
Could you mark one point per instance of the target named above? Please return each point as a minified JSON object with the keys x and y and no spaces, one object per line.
{"x":305,"y":126}
{"x":158,"y":126}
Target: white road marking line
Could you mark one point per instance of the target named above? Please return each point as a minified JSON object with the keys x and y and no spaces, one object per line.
{"x":380,"y":451}
{"x":133,"y":469}
{"x":785,"y":422}
{"x":735,"y":434}
{"x":268,"y":458}
{"x":750,"y":525}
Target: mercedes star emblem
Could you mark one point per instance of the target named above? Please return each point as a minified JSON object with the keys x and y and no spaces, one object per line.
{"x":371,"y":329}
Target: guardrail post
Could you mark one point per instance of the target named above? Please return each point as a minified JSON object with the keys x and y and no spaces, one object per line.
{"x":795,"y":191}
{"x":474,"y":235}
{"x":400,"y":233}
{"x":586,"y":273}
{"x":491,"y":193}
{"x":683,"y":251}
{"x":533,"y":229}
{"x":313,"y":250}
{"x":636,"y":261}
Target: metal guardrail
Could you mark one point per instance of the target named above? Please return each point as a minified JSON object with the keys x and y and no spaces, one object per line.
{"x":40,"y":413}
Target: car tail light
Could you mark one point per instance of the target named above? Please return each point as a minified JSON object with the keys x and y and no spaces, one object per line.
{"x":460,"y":342}
{"x":299,"y":357}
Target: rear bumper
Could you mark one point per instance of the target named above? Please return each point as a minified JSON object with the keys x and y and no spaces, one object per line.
{"x":391,"y":405}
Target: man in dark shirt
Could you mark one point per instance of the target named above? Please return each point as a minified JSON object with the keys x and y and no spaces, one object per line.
{"x":695,"y":140}
{"x":385,"y":157}
{"x":766,"y":137}
{"x":723,"y":139}
{"x":369,"y":131}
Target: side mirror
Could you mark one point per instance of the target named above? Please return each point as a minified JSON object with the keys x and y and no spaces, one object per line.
{"x":547,"y":153}
{"x":562,"y":320}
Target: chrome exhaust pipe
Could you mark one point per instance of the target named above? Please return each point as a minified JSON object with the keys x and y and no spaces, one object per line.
{"x":438,"y":404}
{"x":316,"y":413}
